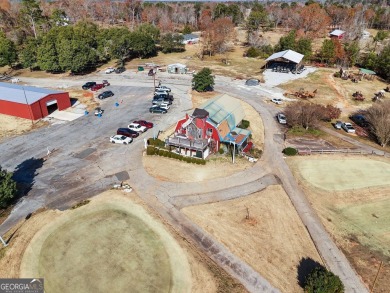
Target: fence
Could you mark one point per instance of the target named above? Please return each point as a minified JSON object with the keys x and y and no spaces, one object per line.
{"x":308,"y":151}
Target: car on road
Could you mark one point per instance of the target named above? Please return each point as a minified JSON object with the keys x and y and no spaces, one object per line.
{"x":157,"y":110}
{"x":120,"y":70}
{"x":360,"y":120}
{"x":281,"y":118}
{"x":137,"y":127}
{"x":88,"y":85}
{"x":277,"y":101}
{"x":105,"y":95}
{"x":163,"y":96}
{"x":338,"y":125}
{"x":162,"y":88}
{"x":120,"y":139}
{"x":348,"y":127}
{"x":163,"y":105}
{"x":109,"y":70}
{"x":97,"y":87}
{"x":98,"y":111}
{"x":105,"y":82}
{"x":144,"y":123}
{"x":127,"y":132}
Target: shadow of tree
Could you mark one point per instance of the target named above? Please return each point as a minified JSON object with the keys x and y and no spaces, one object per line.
{"x":305,"y":267}
{"x":25,"y":173}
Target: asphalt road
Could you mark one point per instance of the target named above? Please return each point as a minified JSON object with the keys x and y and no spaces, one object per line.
{"x":85,"y":163}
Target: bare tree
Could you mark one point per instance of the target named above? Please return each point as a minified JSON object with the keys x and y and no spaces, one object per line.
{"x":379,"y":118}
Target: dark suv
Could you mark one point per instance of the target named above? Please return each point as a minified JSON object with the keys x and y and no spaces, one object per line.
{"x":105,"y":94}
{"x":120,"y":69}
{"x":88,"y":85}
{"x":127,"y":132}
{"x":359,"y":120}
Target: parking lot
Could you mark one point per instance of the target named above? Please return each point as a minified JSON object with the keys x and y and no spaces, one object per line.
{"x":81,"y":154}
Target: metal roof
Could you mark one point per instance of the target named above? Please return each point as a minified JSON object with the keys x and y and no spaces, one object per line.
{"x":23,"y":94}
{"x":188,"y":37}
{"x":178,"y":65}
{"x":287,"y":54}
{"x":367,"y":71}
{"x":222,"y":108}
{"x":337,"y":33}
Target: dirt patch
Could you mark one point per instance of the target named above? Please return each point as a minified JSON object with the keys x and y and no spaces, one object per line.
{"x":272,"y":240}
{"x":357,"y":218}
{"x":205,"y":275}
{"x":335,"y":91}
{"x":11,"y":126}
{"x":84,"y":97}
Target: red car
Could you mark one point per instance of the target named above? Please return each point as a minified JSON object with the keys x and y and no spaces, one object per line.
{"x":97,"y":86}
{"x":144,"y":123}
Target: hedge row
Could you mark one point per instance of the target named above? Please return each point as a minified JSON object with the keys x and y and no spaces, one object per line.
{"x":156,"y":142}
{"x":151,"y":150}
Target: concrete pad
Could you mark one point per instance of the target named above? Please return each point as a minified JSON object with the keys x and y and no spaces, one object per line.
{"x":65,"y":115}
{"x":276,"y":78}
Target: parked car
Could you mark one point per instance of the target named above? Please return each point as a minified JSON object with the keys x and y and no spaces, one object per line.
{"x":137,"y":127}
{"x":127,"y":132}
{"x":252,"y":82}
{"x":161,"y":93}
{"x":162,"y":88}
{"x":144,"y":123}
{"x":105,"y":95}
{"x":348,"y":127}
{"x":121,"y":139}
{"x":109,"y":70}
{"x":281,"y":118}
{"x":105,"y":82}
{"x":120,"y":69}
{"x":88,"y":85}
{"x":162,"y":101}
{"x":98,"y":111}
{"x":338,"y":125}
{"x":277,"y":101}
{"x":97,"y":87}
{"x":163,"y":105}
{"x":162,"y":96}
{"x":157,"y":110}
{"x":360,"y":120}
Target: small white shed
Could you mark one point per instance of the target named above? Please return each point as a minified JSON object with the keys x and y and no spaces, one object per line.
{"x":177,"y":68}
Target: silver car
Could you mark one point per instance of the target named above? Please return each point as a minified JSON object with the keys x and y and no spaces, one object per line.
{"x":348,"y":127}
{"x":281,"y":118}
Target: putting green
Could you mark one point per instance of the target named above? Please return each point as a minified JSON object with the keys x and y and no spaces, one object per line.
{"x":369,"y":222}
{"x":344,"y":174}
{"x":107,"y":248}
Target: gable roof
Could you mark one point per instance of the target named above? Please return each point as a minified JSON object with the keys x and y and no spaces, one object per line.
{"x":337,"y":33}
{"x":23,"y":94}
{"x":178,"y":65}
{"x":287,"y":54}
{"x":224,"y":107}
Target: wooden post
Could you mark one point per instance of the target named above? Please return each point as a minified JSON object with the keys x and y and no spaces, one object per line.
{"x":247,"y":213}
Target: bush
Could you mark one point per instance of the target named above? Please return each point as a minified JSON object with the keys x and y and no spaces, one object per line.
{"x":150,"y":150}
{"x":156,"y":142}
{"x":290,"y":151}
{"x":220,"y":151}
{"x":253,"y":52}
{"x":337,"y":74}
{"x":324,"y":281}
{"x":244,"y":124}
